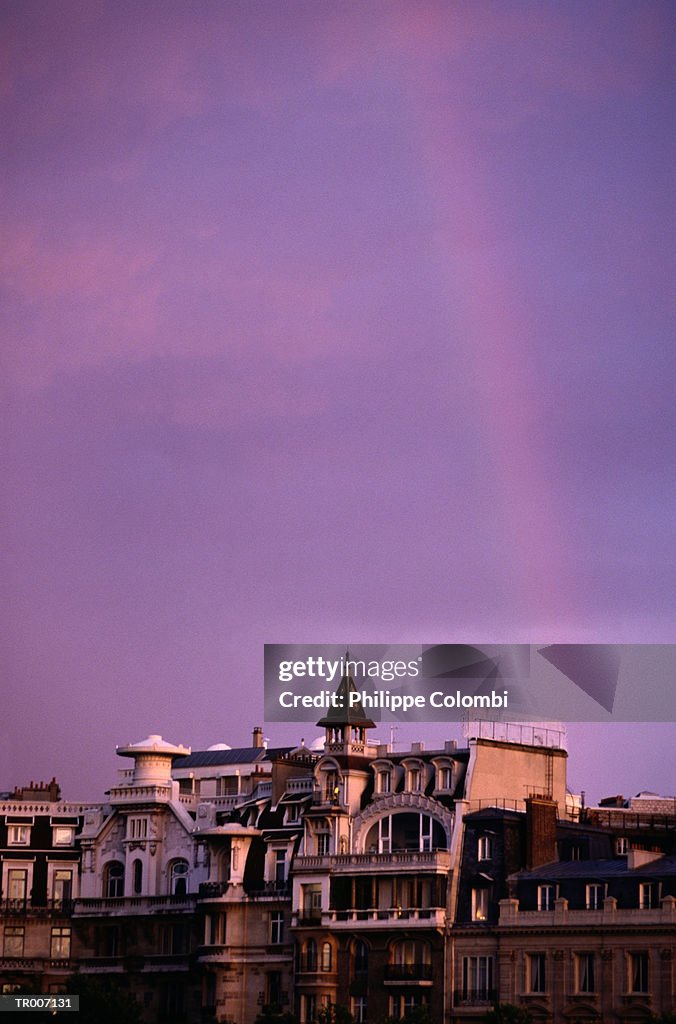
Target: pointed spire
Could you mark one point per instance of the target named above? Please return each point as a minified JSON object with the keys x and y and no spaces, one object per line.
{"x":343,"y":713}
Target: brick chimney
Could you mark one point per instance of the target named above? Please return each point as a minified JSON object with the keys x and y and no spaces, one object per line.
{"x":541,"y":816}
{"x":257,"y":736}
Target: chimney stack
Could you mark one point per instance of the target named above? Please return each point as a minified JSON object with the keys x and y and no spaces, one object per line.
{"x":257,"y":736}
{"x":541,"y":815}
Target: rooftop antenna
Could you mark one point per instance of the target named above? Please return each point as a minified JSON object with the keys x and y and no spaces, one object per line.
{"x":393,"y":729}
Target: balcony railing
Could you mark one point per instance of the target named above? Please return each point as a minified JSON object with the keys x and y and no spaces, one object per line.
{"x":394,"y":917}
{"x":134,"y":905}
{"x":58,"y":908}
{"x":475,"y":997}
{"x":275,"y":890}
{"x":213,"y":890}
{"x":348,"y":863}
{"x":408,"y":972}
{"x":22,"y":963}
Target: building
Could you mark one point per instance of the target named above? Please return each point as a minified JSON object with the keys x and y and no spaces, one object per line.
{"x":40,"y":860}
{"x":216,"y":885}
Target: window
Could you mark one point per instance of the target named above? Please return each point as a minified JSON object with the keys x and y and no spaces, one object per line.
{"x":310,"y":956}
{"x":621,"y":846}
{"x":477,"y":978}
{"x":110,"y":941}
{"x":214,"y":932}
{"x":327,"y":956}
{"x":384,"y":836}
{"x":638,"y":972}
{"x":361,"y":957}
{"x":545,"y":897}
{"x":444,"y":777}
{"x":273,"y":988}
{"x":312,"y":902}
{"x":401,"y":1006}
{"x":63,"y":835}
{"x":60,"y":944}
{"x":209,"y":993}
{"x":331,"y":787}
{"x":414,"y":776}
{"x":648,"y":895}
{"x":292,"y":814}
{"x":479,"y":904}
{"x":322,"y":844}
{"x":594,"y":896}
{"x":178,"y":877}
{"x":536,"y":972}
{"x":276,"y":927}
{"x":359,"y":1009}
{"x":18,"y":835}
{"x":383,"y":781}
{"x":173,"y":939}
{"x":485,"y":847}
{"x":584,"y":969}
{"x":138,"y":828}
{"x":62,"y":885}
{"x":17,"y":883}
{"x":309,"y":1008}
{"x":113,"y":880}
{"x":137,"y":875}
{"x":13,"y":940}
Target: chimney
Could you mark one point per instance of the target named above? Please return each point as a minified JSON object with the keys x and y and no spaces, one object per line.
{"x":540,"y":831}
{"x":257,"y":736}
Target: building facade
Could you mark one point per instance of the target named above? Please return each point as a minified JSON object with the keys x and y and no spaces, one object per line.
{"x":227,"y":884}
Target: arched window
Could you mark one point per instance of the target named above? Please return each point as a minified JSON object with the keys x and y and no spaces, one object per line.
{"x":327,"y":956}
{"x":310,"y":955}
{"x":137,"y":875}
{"x":361,"y":957}
{"x":113,"y":880}
{"x":178,"y":878}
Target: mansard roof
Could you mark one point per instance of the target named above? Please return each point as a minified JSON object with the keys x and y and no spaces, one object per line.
{"x":236,"y":755}
{"x":600,"y":868}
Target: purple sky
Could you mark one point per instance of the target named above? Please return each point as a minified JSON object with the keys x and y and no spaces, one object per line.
{"x":327,"y":322}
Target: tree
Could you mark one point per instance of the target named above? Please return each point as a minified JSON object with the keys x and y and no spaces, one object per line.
{"x":102,"y":1001}
{"x":334,"y":1013}
{"x":507,"y":1013}
{"x":417,"y":1015}
{"x":273,"y":1014}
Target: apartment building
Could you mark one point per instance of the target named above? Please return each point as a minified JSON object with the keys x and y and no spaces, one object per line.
{"x":222,"y":884}
{"x":40,"y":877}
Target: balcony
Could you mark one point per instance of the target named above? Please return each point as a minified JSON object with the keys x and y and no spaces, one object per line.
{"x":22,"y":908}
{"x":134,"y":906}
{"x":512,"y":916}
{"x":367,"y":863}
{"x":394,"y":917}
{"x":413,"y":973}
{"x":213,"y":890}
{"x":475,"y":997}
{"x":33,"y":964}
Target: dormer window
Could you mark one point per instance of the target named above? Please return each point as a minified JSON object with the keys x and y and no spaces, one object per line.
{"x":18,"y":835}
{"x":384,"y":781}
{"x":444,"y":777}
{"x":415,"y":776}
{"x":63,"y":835}
{"x":485,"y":847}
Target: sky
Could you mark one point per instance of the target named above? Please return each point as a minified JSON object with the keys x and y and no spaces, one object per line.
{"x":327,"y":322}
